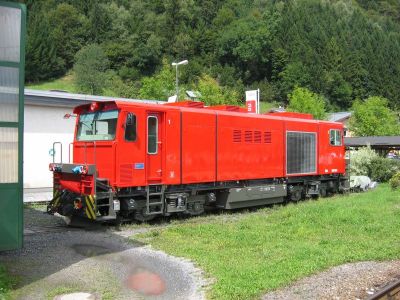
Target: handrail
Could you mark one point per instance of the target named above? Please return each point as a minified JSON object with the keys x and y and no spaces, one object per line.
{"x":54,"y":151}
{"x":69,"y":151}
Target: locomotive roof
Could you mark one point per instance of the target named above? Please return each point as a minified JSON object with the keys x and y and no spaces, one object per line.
{"x":222,"y":110}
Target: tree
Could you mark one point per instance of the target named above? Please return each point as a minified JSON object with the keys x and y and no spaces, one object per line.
{"x":304,"y":101}
{"x":161,"y":85}
{"x":41,"y":54}
{"x":246,"y":43}
{"x":373,"y":117}
{"x":213,"y":94}
{"x":69,"y":30}
{"x":90,"y":66}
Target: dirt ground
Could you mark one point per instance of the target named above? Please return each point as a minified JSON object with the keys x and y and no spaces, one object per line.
{"x":57,"y":259}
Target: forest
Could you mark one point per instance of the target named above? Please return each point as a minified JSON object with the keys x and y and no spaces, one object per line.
{"x":343,"y":50}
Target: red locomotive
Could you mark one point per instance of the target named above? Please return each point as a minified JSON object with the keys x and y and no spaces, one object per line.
{"x":137,"y":161}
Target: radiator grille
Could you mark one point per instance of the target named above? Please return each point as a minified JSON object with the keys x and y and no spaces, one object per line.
{"x":248,"y":136}
{"x":300,"y":152}
{"x":257,"y":136}
{"x":267,"y":137}
{"x":237,"y":136}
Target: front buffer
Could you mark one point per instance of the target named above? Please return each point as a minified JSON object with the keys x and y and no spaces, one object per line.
{"x":75,"y":193}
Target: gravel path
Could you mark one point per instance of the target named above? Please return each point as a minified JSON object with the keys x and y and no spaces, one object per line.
{"x":349,"y":281}
{"x":57,"y":259}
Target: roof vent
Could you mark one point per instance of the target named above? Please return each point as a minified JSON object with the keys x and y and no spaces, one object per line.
{"x":187,"y":103}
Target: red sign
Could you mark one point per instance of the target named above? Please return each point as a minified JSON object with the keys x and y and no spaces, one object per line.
{"x":251,"y":106}
{"x":252,"y":98}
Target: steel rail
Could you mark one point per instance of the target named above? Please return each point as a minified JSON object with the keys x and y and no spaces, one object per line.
{"x":390,"y":292}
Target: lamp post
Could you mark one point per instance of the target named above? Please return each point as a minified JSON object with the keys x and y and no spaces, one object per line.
{"x":174,"y":64}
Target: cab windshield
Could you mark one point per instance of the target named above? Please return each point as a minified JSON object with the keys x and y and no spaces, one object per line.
{"x":97,"y":126}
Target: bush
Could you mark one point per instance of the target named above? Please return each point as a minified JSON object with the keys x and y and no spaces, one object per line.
{"x":395,"y":181}
{"x":360,"y":161}
{"x":366,"y":162}
{"x":304,"y":101}
{"x":382,"y":169}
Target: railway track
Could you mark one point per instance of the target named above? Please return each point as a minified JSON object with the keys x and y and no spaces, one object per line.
{"x":390,"y":292}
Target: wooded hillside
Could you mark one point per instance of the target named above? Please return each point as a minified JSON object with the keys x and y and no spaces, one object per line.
{"x":341,"y":49}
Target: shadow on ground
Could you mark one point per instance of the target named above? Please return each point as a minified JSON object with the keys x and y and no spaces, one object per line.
{"x":58,"y":259}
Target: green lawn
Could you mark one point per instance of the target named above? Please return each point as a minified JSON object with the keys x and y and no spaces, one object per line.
{"x":5,"y":283}
{"x":65,"y":83}
{"x":252,"y":253}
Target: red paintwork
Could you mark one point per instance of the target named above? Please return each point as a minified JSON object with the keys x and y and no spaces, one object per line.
{"x":77,"y":183}
{"x":200,"y":144}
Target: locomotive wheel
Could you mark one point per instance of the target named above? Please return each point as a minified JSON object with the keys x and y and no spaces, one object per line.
{"x":141,"y":216}
{"x":323,"y":192}
{"x":295,"y":196}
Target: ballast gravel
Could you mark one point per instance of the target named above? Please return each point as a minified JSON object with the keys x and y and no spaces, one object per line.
{"x":58,"y":260}
{"x":349,"y":281}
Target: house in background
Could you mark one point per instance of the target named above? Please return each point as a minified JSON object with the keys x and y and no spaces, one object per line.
{"x":342,"y":117}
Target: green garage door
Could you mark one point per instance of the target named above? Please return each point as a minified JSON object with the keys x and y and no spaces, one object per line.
{"x":12,"y":63}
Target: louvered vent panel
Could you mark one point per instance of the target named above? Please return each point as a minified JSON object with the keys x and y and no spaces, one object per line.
{"x":300,"y":152}
{"x":125,"y":172}
{"x":267,"y":137}
{"x":237,"y":136}
{"x":257,"y":136}
{"x":248,"y":136}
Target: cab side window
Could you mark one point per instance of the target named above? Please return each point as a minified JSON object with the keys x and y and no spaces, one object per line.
{"x":130,"y":127}
{"x":335,"y":137}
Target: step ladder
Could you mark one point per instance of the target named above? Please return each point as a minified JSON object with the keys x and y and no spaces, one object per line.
{"x":157,"y":202}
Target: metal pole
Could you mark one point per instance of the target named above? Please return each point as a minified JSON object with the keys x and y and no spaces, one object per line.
{"x":177,"y":82}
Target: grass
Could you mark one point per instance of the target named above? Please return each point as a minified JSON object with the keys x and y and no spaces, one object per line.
{"x":65,"y":83}
{"x":6,"y":283}
{"x":267,"y":106}
{"x":272,"y":247}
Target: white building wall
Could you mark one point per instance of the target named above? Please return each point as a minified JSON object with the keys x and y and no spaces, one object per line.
{"x":44,"y":125}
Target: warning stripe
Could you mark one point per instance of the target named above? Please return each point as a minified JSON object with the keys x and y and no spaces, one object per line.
{"x":56,"y":198}
{"x":92,"y":201}
{"x":89,"y":208}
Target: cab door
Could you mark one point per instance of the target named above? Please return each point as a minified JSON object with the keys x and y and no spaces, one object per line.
{"x":154,"y":147}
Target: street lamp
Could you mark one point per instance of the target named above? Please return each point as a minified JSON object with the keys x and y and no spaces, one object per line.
{"x":174,"y":64}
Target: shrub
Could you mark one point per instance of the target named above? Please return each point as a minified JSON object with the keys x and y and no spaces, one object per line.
{"x":360,"y":161}
{"x":395,"y":181}
{"x":382,"y":169}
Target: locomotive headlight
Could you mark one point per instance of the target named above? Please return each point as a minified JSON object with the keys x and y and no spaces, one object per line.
{"x":95,"y":106}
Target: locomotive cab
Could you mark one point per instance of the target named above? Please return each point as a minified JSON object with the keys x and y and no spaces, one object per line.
{"x":115,"y":147}
{"x":76,"y":184}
